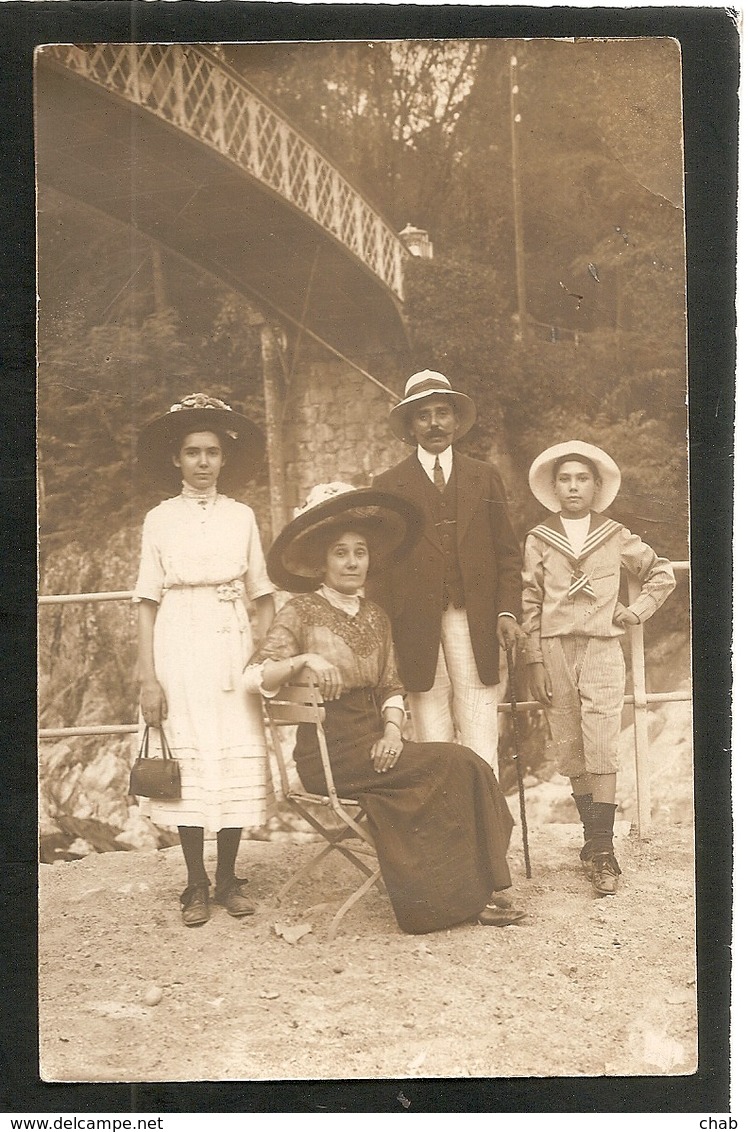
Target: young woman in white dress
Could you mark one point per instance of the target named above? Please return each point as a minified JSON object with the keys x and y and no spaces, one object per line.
{"x":201,"y":566}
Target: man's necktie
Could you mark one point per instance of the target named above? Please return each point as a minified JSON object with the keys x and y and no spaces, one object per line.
{"x":439,"y":481}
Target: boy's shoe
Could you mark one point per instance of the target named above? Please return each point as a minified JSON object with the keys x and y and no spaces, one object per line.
{"x":585,"y":856}
{"x":604,"y":873}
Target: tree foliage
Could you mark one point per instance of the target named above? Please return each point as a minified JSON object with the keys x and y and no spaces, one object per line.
{"x":109,"y":361}
{"x":424,"y":128}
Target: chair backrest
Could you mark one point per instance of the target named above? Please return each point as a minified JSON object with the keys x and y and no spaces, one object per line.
{"x":293,"y":704}
{"x":296,"y":703}
{"x":302,"y":703}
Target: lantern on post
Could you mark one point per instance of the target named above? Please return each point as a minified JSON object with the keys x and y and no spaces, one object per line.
{"x":417,"y":242}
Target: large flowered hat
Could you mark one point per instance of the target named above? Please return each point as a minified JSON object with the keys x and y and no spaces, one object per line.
{"x":392,"y":526}
{"x":542,"y":473}
{"x":429,"y":383}
{"x":242,"y":440}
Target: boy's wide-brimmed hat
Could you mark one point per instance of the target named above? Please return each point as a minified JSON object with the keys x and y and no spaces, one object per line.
{"x":541,"y":473}
{"x":198,"y":412}
{"x":427,"y":383}
{"x":392,"y":525}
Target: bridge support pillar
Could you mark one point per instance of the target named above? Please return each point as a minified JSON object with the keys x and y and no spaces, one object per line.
{"x":272,"y":376}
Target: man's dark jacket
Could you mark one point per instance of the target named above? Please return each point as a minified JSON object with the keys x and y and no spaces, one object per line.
{"x":490,"y":565}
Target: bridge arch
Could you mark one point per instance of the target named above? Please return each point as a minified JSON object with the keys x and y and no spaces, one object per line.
{"x":173,"y":142}
{"x":170,"y":139}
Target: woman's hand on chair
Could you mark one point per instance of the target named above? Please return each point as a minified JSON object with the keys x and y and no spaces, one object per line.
{"x":153,"y":703}
{"x":387,"y":750}
{"x":326,"y":676}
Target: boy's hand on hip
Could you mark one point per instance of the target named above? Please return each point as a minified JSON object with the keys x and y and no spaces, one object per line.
{"x":624,"y":617}
{"x":539,"y":684}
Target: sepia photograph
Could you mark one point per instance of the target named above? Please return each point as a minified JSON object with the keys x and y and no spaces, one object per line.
{"x":364,"y":630}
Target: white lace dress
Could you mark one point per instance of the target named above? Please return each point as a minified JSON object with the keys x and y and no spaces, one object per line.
{"x":202,"y":563}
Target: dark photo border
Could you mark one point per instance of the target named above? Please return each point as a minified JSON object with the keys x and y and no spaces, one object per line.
{"x":710,"y":48}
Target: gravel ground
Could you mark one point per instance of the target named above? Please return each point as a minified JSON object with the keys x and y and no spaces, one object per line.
{"x":582,"y":987}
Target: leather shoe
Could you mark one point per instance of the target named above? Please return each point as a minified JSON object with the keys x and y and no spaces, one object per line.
{"x":233,"y":899}
{"x":585,"y":856}
{"x":499,"y":900}
{"x":195,"y":908}
{"x":494,"y":917}
{"x":605,"y":874}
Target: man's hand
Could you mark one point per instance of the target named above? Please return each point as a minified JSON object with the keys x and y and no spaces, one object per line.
{"x":624,"y":617}
{"x":511,"y":637}
{"x":539,"y":684}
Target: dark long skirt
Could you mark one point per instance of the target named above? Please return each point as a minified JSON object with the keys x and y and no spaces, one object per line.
{"x":439,"y":820}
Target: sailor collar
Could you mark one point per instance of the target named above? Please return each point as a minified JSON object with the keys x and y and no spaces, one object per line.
{"x":552,"y":532}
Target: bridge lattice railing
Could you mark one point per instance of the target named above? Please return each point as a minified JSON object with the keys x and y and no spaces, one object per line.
{"x":190,"y":88}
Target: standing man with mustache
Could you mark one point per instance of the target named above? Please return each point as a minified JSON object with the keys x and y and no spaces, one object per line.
{"x":454,"y":601}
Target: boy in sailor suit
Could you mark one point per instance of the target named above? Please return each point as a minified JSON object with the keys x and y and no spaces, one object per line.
{"x":574,"y":622}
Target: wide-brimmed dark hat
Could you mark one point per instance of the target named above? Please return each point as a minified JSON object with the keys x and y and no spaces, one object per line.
{"x":243,"y":441}
{"x":393,"y":526}
{"x":429,"y":383}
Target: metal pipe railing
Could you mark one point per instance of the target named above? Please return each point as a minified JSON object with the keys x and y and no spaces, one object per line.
{"x":640,"y":698}
{"x":72,"y":599}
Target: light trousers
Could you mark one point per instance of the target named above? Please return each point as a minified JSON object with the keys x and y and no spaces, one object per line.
{"x":588,"y":677}
{"x":459,"y":707}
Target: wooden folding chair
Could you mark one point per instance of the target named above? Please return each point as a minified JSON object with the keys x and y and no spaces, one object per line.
{"x":302,"y":703}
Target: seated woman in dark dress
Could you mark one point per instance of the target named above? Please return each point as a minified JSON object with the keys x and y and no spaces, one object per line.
{"x":439,"y":820}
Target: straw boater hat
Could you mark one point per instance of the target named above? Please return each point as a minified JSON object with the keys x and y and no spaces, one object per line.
{"x":242,"y":441}
{"x":425,"y":384}
{"x":392,"y":524}
{"x":541,"y":473}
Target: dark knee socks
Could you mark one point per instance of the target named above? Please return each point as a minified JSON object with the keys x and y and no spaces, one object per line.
{"x":191,"y":838}
{"x":583,"y":803}
{"x":602,"y":817}
{"x":228,"y":847}
{"x":597,"y":819}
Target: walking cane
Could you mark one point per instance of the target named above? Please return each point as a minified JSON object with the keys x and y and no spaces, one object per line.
{"x":518,"y":760}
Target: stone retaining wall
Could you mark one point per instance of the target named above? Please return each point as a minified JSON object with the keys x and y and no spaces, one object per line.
{"x":337,"y":429}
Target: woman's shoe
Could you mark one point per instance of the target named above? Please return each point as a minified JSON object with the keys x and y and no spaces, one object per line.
{"x":195,"y":907}
{"x":495,"y":917}
{"x":233,"y":899}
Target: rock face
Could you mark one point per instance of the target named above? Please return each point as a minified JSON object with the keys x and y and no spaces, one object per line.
{"x":87,"y":676}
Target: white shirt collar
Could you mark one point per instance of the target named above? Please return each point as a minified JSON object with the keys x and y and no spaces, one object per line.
{"x":346,"y":603}
{"x":427,"y":459}
{"x":576,"y":532}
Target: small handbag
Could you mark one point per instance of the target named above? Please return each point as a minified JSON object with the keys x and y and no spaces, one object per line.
{"x":156,"y":777}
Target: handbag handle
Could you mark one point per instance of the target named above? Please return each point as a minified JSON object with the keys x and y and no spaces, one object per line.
{"x":165,"y":748}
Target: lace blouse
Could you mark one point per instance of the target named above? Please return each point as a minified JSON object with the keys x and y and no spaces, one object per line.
{"x":359,"y":646}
